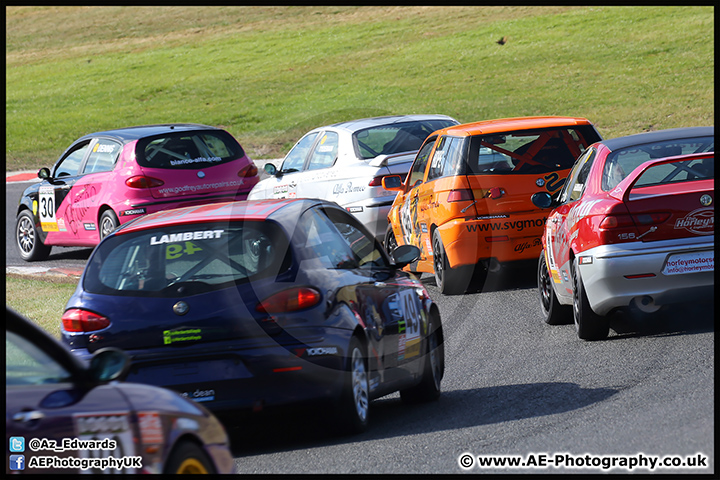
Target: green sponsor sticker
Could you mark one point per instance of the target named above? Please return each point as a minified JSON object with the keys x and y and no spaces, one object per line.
{"x":174,"y":336}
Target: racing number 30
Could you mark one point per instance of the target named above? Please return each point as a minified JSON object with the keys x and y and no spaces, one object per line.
{"x":47,"y":207}
{"x":46,"y":198}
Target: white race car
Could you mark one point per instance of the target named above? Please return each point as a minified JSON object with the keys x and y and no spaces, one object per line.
{"x":346,"y":162}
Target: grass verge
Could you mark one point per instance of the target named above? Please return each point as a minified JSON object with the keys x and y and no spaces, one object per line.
{"x":269,"y":74}
{"x":41,"y":300}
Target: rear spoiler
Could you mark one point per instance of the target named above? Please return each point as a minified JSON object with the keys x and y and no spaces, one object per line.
{"x":622,"y":191}
{"x":385,"y":160}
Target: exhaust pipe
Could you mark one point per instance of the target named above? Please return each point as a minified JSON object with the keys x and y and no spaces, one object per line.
{"x":492,"y":265}
{"x":645,"y":304}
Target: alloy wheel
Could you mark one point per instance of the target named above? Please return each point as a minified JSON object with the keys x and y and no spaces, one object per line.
{"x":359,"y":385}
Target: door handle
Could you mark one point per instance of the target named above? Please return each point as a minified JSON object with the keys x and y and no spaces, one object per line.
{"x":28,"y":416}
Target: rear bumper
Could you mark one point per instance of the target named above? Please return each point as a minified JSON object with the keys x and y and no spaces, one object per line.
{"x":506,"y":239}
{"x":658,"y":273}
{"x":373,"y":213}
{"x":146,"y":206}
{"x":189,"y":201}
{"x":227,"y":377}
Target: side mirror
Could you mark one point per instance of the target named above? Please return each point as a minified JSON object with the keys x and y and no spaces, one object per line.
{"x":108,"y":364}
{"x":270,"y":169}
{"x":542,"y":200}
{"x":392,"y":182}
{"x":405,"y":255}
{"x":44,"y":173}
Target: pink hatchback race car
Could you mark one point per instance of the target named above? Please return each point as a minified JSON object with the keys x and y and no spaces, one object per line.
{"x":108,"y":178}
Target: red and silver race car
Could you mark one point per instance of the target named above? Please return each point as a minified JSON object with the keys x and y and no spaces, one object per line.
{"x":632,"y":227}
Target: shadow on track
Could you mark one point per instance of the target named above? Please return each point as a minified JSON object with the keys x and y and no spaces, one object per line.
{"x":390,"y":417}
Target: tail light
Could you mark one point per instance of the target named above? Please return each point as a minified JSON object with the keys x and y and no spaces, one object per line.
{"x":78,"y":320}
{"x":623,"y":221}
{"x":617,"y":221}
{"x":460,"y":195}
{"x":141,"y":181}
{"x":248,"y":171}
{"x":617,"y":229}
{"x":625,"y":228}
{"x":376,"y":181}
{"x":497,"y":238}
{"x":651,"y":218}
{"x":290,"y":300}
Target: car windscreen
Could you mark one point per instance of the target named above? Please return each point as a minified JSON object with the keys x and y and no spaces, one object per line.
{"x":395,"y":137}
{"x":620,"y":163}
{"x":27,"y":364}
{"x":528,"y":151}
{"x":183,"y":260}
{"x":188,"y":150}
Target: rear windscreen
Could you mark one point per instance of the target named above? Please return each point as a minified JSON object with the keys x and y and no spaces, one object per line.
{"x":536,"y":151}
{"x":395,"y":137}
{"x":620,"y":163}
{"x":188,"y":150}
{"x":187,"y":259}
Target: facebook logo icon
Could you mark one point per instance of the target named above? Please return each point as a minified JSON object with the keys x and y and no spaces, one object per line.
{"x":17,"y":462}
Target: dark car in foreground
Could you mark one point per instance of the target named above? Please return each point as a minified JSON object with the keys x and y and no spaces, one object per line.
{"x":632,"y":227}
{"x":246,"y":305}
{"x":63,"y":415}
{"x":108,"y":178}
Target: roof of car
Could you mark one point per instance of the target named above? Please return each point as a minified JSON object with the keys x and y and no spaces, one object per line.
{"x":355,"y":125}
{"x":501,"y":125}
{"x":214,"y":212}
{"x":142,"y":131}
{"x":658,"y":136}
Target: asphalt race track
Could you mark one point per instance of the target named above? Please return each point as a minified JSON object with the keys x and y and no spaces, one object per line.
{"x":514,"y":388}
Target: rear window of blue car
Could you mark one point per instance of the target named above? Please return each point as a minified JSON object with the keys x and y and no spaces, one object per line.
{"x":188,"y":150}
{"x":187,"y":259}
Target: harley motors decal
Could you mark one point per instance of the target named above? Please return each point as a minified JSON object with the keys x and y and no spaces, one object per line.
{"x":699,"y":222}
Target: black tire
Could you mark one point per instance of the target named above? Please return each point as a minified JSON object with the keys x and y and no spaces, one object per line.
{"x":433,"y":370}
{"x":108,"y":223}
{"x":390,"y":241}
{"x":553,"y":313}
{"x":28,"y":240}
{"x":353,"y":411}
{"x":450,"y":281}
{"x":589,"y":325}
{"x":188,"y":457}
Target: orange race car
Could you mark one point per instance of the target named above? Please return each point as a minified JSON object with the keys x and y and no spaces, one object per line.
{"x":466,"y":200}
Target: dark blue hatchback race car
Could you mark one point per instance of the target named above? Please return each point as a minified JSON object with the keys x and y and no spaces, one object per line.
{"x":246,"y":305}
